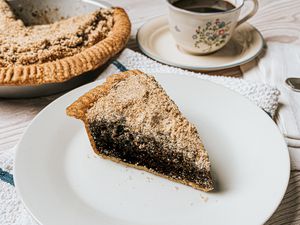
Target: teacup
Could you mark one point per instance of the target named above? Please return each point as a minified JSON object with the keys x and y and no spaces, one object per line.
{"x":205,"y":32}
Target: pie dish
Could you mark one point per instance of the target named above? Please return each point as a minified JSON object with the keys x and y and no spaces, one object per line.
{"x":57,"y":52}
{"x":130,"y":119}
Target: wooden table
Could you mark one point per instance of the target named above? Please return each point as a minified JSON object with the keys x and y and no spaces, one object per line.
{"x":278,"y":20}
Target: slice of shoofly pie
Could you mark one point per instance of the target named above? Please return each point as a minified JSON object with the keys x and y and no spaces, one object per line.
{"x":130,"y":119}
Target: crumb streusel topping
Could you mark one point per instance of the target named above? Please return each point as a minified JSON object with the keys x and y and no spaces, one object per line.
{"x":24,"y":45}
{"x":146,"y":108}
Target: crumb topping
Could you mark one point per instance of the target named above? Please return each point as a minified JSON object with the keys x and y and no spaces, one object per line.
{"x":24,"y":45}
{"x":146,"y":108}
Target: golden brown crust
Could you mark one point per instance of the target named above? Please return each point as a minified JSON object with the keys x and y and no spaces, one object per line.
{"x":79,"y":108}
{"x":69,"y":67}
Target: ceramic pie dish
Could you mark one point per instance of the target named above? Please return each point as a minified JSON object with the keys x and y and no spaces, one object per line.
{"x":39,"y":55}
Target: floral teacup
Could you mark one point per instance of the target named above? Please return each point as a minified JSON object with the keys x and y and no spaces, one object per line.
{"x":204,"y":33}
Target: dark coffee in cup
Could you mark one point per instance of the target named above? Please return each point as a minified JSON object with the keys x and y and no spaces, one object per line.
{"x":204,"y":6}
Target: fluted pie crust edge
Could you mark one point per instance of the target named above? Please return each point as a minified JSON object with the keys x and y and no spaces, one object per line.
{"x":66,"y":68}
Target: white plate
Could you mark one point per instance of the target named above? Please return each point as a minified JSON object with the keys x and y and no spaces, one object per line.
{"x":62,"y":182}
{"x":156,"y":41}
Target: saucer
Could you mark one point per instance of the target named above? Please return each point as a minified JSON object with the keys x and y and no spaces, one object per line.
{"x":156,"y":41}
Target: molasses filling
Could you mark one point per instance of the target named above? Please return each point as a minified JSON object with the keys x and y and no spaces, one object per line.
{"x":115,"y":140}
{"x":134,"y":121}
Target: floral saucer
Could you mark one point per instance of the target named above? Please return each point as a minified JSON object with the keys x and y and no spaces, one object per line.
{"x":156,"y":41}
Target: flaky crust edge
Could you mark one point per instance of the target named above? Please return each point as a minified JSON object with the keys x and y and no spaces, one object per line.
{"x":66,"y":68}
{"x":79,"y":108}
